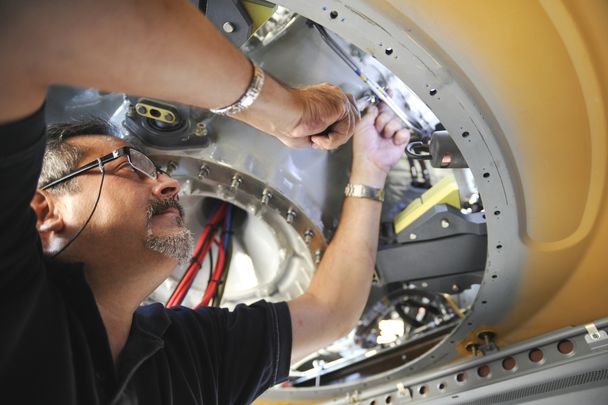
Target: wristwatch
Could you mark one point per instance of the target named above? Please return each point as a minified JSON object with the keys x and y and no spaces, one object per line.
{"x":250,"y":95}
{"x":363,"y":191}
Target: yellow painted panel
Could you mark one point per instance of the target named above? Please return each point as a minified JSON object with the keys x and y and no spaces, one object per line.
{"x":444,"y":192}
{"x":258,"y":13}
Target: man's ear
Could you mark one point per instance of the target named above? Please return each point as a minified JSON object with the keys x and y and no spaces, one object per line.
{"x":49,"y":220}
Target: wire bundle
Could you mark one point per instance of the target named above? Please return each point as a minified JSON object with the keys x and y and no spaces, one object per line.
{"x":217,"y":231}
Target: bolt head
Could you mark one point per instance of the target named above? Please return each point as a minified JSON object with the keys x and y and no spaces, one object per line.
{"x":413,"y":236}
{"x":228,"y":27}
{"x":445,"y":223}
{"x":203,"y":172}
{"x":200,"y":129}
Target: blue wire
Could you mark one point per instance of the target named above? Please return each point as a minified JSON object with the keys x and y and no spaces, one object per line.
{"x":214,"y":209}
{"x":228,"y":226}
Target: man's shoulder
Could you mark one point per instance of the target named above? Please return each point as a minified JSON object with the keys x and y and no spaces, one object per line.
{"x":158,"y":320}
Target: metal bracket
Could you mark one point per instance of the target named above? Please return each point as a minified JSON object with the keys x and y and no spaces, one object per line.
{"x":403,"y":391}
{"x":230,"y":18}
{"x":596,"y":338}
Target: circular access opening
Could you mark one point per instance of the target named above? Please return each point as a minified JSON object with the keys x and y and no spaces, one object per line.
{"x":461,"y":377}
{"x":441,"y":386}
{"x":155,"y":113}
{"x":565,"y":346}
{"x":536,"y":355}
{"x":423,"y":390}
{"x":412,"y":316}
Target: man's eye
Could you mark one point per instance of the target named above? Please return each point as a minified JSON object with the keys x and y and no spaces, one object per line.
{"x":126,"y":166}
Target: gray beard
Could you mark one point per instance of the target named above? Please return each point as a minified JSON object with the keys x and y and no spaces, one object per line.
{"x":177,"y":246}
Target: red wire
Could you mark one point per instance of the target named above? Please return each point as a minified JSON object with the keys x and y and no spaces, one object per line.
{"x":184,"y":285}
{"x":191,"y":272}
{"x":217,"y":275}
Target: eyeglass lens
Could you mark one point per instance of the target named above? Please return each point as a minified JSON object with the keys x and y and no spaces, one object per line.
{"x":142,"y":163}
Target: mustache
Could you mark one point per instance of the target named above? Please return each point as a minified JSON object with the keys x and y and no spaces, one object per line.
{"x":158,"y":206}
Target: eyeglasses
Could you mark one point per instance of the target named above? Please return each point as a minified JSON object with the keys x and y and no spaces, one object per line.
{"x":138,"y":161}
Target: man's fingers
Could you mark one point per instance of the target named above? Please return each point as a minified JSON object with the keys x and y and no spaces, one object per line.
{"x":302,"y":142}
{"x":383,"y":118}
{"x":354,"y":108}
{"x":370,"y":115}
{"x":341,"y":131}
{"x":392,"y":127}
{"x":323,"y":142}
{"x":401,"y":137}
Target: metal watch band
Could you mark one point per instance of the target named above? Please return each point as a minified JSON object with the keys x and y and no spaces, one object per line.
{"x":363,"y":191}
{"x":250,"y":95}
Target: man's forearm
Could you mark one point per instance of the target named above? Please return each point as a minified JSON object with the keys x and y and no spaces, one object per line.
{"x":340,"y":286}
{"x":345,"y":275}
{"x":159,"y":48}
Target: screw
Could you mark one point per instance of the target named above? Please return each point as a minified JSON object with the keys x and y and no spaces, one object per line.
{"x":473,"y":348}
{"x":228,"y":27}
{"x":171,"y":166}
{"x":487,"y":337}
{"x":291,"y":216}
{"x":266,"y":196}
{"x":169,"y":117}
{"x":142,"y":110}
{"x":445,"y":223}
{"x":308,"y":235}
{"x":131,"y":111}
{"x":200,"y":129}
{"x":236,"y":182}
{"x":413,"y":236}
{"x":203,"y":172}
{"x":318,"y":255}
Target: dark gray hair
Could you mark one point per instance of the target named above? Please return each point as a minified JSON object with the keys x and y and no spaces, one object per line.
{"x":60,"y":157}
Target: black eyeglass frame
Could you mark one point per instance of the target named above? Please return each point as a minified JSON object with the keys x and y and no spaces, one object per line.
{"x":101,"y":161}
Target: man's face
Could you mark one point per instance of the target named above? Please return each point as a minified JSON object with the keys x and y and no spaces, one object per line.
{"x":135,"y":214}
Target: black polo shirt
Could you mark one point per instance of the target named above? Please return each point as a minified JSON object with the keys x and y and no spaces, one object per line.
{"x":53,"y":344}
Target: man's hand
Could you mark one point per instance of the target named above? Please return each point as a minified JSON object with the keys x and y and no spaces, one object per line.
{"x":321,"y":116}
{"x":328,"y":116}
{"x":378,"y":145}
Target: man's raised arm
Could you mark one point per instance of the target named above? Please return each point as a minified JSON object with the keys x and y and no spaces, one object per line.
{"x":340,"y":286}
{"x":164,"y":49}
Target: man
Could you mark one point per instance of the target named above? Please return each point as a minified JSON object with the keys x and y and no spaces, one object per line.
{"x":73,"y":332}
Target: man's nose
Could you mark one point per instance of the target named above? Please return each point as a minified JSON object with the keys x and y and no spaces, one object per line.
{"x":165,"y":186}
